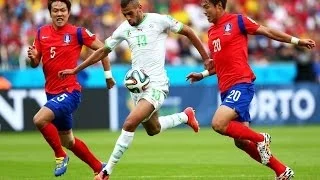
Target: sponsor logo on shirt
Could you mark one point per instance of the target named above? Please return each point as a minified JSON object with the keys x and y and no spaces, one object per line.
{"x":67,"y":38}
{"x":227,"y":29}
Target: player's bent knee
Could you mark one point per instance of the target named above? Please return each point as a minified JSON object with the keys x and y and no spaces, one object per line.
{"x":35,"y":120}
{"x":218,"y":127}
{"x":43,"y":117}
{"x":152,"y":132}
{"x":38,"y":122}
{"x":68,"y":144}
{"x":67,"y":140}
{"x":130,"y":125}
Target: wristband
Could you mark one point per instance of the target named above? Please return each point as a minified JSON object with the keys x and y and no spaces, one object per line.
{"x":295,"y":40}
{"x":107,"y":74}
{"x":205,"y":73}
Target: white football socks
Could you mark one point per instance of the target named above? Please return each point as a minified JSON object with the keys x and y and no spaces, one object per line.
{"x":173,"y":120}
{"x":126,"y":137}
{"x":121,"y":146}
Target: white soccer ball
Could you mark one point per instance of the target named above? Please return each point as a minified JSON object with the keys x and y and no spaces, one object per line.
{"x":136,"y":80}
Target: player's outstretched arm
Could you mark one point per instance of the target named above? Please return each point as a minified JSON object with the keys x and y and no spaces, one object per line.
{"x":105,"y":63}
{"x":284,"y":37}
{"x":188,"y":32}
{"x":92,"y":59}
{"x":99,"y":54}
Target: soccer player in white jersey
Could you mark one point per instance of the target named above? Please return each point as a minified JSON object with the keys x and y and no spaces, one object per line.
{"x":146,"y":34}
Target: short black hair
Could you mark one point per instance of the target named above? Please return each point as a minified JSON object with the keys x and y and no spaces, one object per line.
{"x":67,"y":2}
{"x":223,"y":2}
{"x":124,"y":3}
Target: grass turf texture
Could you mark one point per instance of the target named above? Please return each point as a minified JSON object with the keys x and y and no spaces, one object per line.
{"x":173,"y":155}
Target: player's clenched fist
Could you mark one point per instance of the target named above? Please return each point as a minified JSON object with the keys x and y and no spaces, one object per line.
{"x":110,"y":83}
{"x":31,"y":52}
{"x":33,"y":55}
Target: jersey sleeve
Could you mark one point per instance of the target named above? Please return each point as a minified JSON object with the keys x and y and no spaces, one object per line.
{"x":251,"y":26}
{"x":172,"y":24}
{"x":87,"y":36}
{"x":116,"y":38}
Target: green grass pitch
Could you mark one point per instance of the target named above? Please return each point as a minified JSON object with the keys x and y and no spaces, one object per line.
{"x":173,"y":155}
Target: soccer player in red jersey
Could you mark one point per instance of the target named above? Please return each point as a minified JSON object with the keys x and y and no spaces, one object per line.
{"x":228,"y":46}
{"x":58,"y":46}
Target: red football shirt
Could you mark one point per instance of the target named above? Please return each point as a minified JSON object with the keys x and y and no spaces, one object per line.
{"x":228,"y":44}
{"x":60,"y":49}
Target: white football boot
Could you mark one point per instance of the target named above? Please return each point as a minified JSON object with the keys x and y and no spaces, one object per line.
{"x":264,"y":149}
{"x":288,"y":174}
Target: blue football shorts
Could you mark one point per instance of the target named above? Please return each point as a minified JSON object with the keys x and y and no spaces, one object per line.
{"x":63,"y":105}
{"x":239,"y":97}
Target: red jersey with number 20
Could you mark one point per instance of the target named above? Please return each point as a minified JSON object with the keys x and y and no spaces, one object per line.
{"x":60,"y":49}
{"x":228,"y":44}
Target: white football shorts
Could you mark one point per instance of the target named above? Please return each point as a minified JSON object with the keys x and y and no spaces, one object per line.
{"x":153,"y":95}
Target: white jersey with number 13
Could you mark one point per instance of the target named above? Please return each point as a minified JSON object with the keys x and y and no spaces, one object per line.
{"x":147,"y":44}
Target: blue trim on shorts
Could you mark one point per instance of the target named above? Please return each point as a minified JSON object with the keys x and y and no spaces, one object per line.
{"x":239,"y":97}
{"x":63,"y":105}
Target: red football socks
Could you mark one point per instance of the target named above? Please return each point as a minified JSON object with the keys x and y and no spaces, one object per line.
{"x":236,"y":130}
{"x":82,"y":152}
{"x":51,"y":135}
{"x":276,"y":165}
{"x":251,"y":149}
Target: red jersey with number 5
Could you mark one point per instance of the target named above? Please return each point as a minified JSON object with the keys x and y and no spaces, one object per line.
{"x":228,"y":44}
{"x":60,"y":49}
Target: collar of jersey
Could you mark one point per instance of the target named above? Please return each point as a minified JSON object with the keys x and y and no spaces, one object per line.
{"x":222,"y":18}
{"x":60,"y":29}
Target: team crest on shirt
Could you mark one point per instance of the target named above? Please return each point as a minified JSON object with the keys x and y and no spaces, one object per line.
{"x":128,"y":33}
{"x":227,"y":29}
{"x":67,"y":38}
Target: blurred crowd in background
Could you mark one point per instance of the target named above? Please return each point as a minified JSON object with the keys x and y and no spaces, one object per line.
{"x":19,"y":20}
